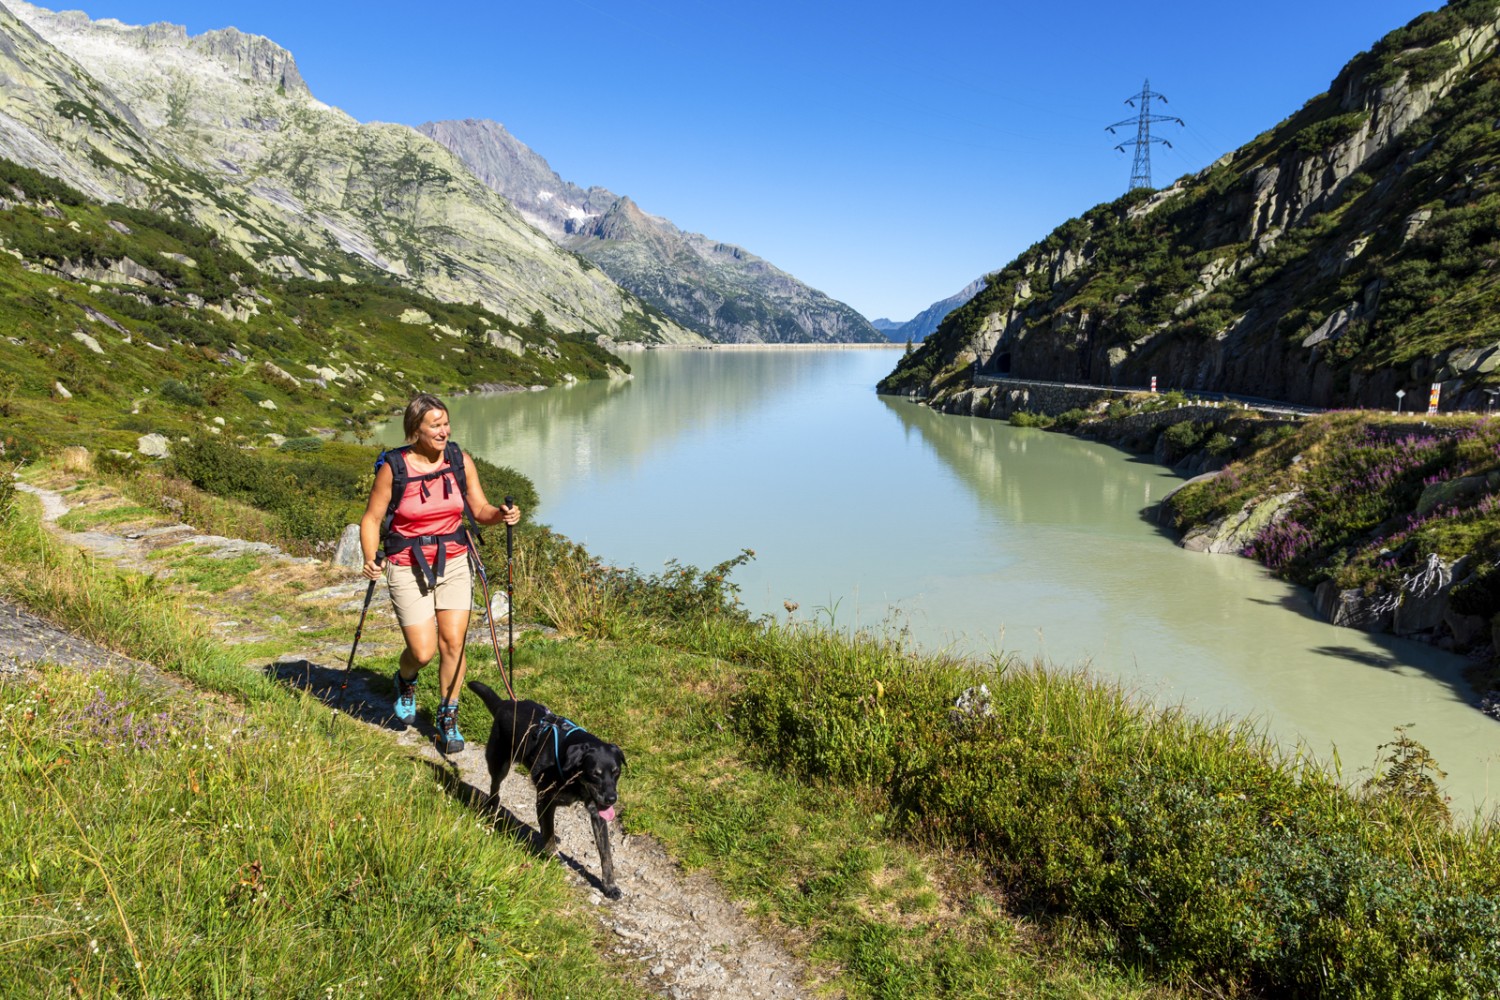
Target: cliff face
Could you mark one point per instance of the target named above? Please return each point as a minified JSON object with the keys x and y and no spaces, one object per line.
{"x":1345,"y":254}
{"x":718,"y":289}
{"x":221,"y":128}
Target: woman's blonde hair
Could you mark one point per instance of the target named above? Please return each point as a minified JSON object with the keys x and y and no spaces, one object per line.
{"x":421,"y":404}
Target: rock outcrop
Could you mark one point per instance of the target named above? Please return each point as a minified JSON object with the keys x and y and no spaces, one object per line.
{"x":1337,"y":258}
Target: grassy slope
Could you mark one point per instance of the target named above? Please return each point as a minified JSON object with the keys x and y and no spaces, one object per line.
{"x":170,"y":362}
{"x":170,"y":844}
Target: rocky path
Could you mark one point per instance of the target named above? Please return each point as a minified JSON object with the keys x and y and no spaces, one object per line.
{"x":681,"y":935}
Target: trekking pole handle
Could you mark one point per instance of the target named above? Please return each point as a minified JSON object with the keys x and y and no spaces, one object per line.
{"x":510,"y":501}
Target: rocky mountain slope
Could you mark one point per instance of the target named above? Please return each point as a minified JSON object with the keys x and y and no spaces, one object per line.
{"x":221,"y":128}
{"x":1349,"y":252}
{"x":718,"y":289}
{"x":129,"y":331}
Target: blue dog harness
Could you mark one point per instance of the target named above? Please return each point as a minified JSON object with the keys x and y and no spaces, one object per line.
{"x":561,"y":730}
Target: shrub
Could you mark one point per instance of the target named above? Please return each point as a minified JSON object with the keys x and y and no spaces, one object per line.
{"x":1209,"y":856}
{"x":1071,"y":419}
{"x":1025,"y":418}
{"x":1219,"y":444}
{"x":302,"y":444}
{"x":311,"y":501}
{"x":174,"y":391}
{"x":1321,"y":135}
{"x":500,"y":481}
{"x":1182,"y":438}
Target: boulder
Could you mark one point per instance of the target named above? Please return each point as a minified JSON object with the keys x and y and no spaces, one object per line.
{"x":152,"y":446}
{"x":1352,"y":608}
{"x":1456,"y":491}
{"x":1467,"y":629}
{"x":1424,"y":596}
{"x":349,"y":553}
{"x":1420,"y":614}
{"x":1230,"y":535}
{"x":87,"y":341}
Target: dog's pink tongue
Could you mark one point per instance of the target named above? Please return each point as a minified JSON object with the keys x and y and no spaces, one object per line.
{"x":607,"y":814}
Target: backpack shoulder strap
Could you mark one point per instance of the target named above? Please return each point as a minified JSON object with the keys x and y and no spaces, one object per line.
{"x":396,"y":459}
{"x":454,"y":456}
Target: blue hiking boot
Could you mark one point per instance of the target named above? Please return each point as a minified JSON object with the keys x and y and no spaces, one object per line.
{"x":405,"y":707}
{"x":449,"y":739}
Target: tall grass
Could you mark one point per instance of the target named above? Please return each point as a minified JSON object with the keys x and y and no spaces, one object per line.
{"x":1195,"y":844}
{"x":161,"y":844}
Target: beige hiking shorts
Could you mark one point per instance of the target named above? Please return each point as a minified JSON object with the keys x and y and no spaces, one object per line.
{"x":415,"y":603}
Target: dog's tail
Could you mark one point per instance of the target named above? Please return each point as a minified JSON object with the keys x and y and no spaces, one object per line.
{"x":491,"y":700}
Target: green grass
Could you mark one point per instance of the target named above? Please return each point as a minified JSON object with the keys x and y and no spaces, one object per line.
{"x":1188,"y":847}
{"x":83,"y":520}
{"x":236,"y":846}
{"x":168,"y":846}
{"x":210,"y":574}
{"x":882,"y":916}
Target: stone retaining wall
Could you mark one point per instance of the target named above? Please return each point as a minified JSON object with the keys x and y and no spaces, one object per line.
{"x":998,"y":398}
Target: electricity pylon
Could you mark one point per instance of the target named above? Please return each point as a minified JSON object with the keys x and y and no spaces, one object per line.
{"x":1140,"y":172}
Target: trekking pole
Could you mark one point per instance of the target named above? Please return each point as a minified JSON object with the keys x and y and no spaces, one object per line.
{"x":489,"y":613}
{"x":510,"y":590}
{"x":358,"y":631}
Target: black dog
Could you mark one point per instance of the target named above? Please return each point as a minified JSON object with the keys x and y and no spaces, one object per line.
{"x":566,"y":764}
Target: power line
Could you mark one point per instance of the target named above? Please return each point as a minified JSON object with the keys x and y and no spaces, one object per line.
{"x":1140,"y":171}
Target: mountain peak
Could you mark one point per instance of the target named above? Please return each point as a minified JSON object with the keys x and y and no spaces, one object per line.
{"x":714,"y":287}
{"x":250,"y":58}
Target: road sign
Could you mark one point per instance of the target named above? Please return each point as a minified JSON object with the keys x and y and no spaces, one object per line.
{"x":1432,"y":401}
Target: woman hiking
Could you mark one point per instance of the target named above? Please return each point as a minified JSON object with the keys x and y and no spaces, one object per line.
{"x":415,"y":516}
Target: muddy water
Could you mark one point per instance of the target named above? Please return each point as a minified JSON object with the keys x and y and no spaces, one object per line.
{"x":974,"y":535}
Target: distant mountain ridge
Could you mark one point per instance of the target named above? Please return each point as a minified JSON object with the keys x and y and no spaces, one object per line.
{"x":919,"y":326}
{"x":718,"y":289}
{"x":221,"y":128}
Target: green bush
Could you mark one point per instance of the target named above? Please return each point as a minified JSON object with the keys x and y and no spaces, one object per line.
{"x":1219,"y":444}
{"x":311,"y":500}
{"x":1208,"y":856}
{"x":1182,"y":438}
{"x":500,"y":481}
{"x":174,"y":391}
{"x":1025,"y":418}
{"x":1321,"y":135}
{"x":1071,"y":419}
{"x":302,"y":444}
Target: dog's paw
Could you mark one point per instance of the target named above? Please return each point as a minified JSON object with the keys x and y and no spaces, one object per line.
{"x":613,"y":891}
{"x":550,"y":847}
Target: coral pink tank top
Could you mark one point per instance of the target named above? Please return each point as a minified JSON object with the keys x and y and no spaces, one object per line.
{"x":437,"y":510}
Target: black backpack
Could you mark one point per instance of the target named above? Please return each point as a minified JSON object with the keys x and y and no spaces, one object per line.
{"x":392,"y":542}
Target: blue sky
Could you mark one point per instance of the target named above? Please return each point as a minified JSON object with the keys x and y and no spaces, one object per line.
{"x":886,"y":154}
